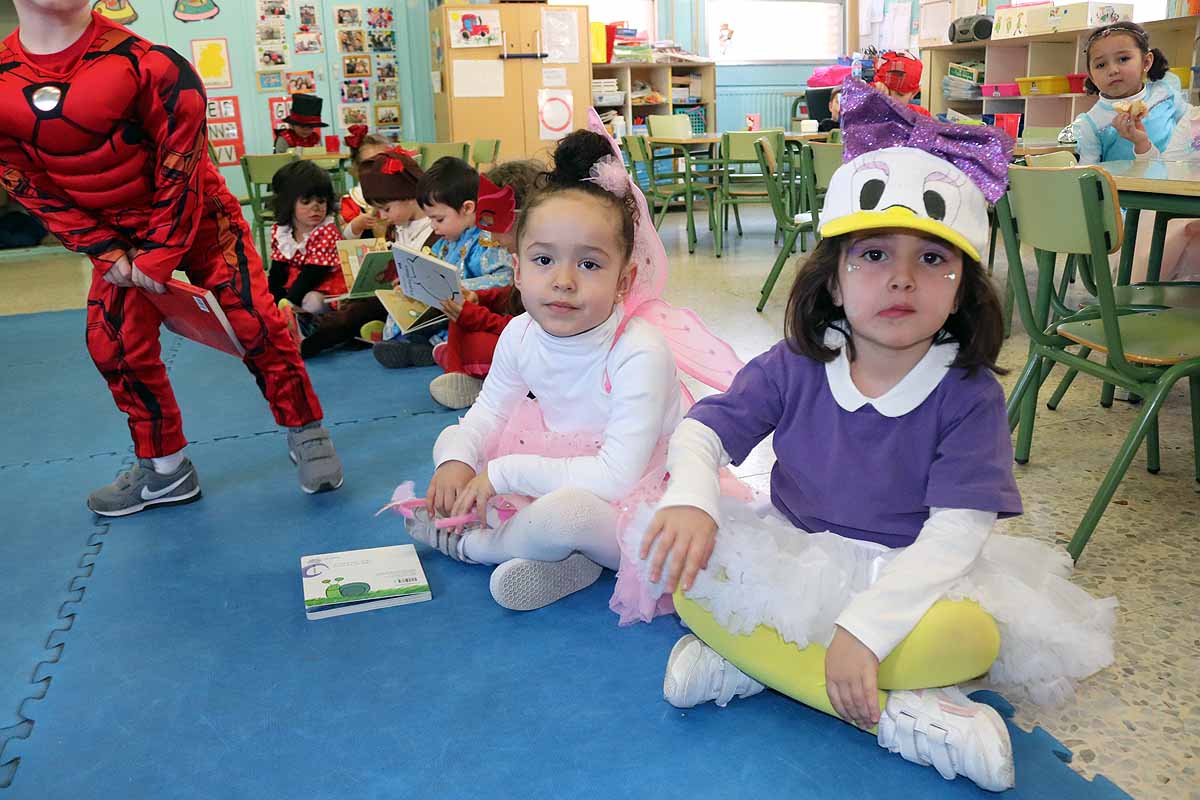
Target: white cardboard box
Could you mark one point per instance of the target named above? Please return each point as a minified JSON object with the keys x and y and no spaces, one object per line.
{"x":1081,"y":16}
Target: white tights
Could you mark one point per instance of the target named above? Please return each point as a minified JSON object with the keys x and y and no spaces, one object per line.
{"x":550,"y":529}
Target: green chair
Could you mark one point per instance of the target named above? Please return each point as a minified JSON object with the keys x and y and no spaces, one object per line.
{"x":333,"y":164}
{"x":485,"y":151}
{"x":835,"y":136}
{"x":825,"y":159}
{"x":792,"y":225}
{"x":258,"y":171}
{"x":666,"y":183}
{"x":1146,"y":353}
{"x":741,"y":182}
{"x":431,"y":152}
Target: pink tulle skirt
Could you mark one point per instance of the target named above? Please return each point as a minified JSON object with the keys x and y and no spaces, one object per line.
{"x":633,"y":599}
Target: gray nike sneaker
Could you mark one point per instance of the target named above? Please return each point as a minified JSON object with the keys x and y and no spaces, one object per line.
{"x":312,"y":451}
{"x":141,"y":487}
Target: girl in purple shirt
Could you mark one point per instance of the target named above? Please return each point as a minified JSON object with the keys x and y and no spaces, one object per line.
{"x":874,"y":575}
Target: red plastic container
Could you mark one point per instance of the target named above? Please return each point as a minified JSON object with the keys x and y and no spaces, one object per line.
{"x":1000,"y":90}
{"x":333,"y":144}
{"x":1075,"y":81}
{"x":1009,"y":123}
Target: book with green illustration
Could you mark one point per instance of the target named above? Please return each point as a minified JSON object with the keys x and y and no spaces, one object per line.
{"x":362,"y":580}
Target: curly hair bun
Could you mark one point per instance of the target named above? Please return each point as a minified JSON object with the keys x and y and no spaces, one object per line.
{"x":575,"y":155}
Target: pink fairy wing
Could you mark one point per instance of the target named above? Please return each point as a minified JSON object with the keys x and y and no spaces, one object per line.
{"x":698,"y":351}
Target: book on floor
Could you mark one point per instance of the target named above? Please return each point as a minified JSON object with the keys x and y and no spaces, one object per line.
{"x":193,"y":313}
{"x":424,"y":277}
{"x":352,"y":251}
{"x":410,"y":315}
{"x":362,"y":580}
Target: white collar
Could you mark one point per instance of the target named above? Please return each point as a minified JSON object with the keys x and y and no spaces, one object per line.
{"x":286,"y":242}
{"x":902,"y":398}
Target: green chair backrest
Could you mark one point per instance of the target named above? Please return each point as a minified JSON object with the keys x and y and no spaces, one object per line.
{"x":669,"y":125}
{"x":769,"y":165}
{"x":826,"y":159}
{"x":738,"y":146}
{"x":1058,"y":158}
{"x":1033,"y":190}
{"x":259,"y":170}
{"x":431,"y":152}
{"x":212,"y":154}
{"x":485,"y":151}
{"x":637,"y":147}
{"x":835,"y":136}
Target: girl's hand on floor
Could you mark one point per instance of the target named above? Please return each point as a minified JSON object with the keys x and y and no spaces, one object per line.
{"x":448,"y":481}
{"x":852,"y":679}
{"x":685,"y":535}
{"x":474,"y":495}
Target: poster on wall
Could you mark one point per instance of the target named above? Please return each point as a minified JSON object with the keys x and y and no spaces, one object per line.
{"x":225,"y":131}
{"x":348,"y":16}
{"x":309,"y":42}
{"x":380,"y":17}
{"x":304,"y":82}
{"x":269,"y":80}
{"x":272,"y":56}
{"x":387,"y":92}
{"x":385,"y":67}
{"x":279,"y":108}
{"x":352,"y":40}
{"x":382,"y":41}
{"x":211,"y":59}
{"x":308,"y":14}
{"x":272,"y":8}
{"x":478,"y":28}
{"x":121,"y":12}
{"x":556,"y":113}
{"x":195,"y":10}
{"x":356,"y":90}
{"x":560,"y":35}
{"x":387,"y":115}
{"x":356,"y":66}
{"x":358,"y":114}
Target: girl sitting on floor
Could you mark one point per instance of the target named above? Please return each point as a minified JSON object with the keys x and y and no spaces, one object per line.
{"x":304,"y":261}
{"x":874,"y":577}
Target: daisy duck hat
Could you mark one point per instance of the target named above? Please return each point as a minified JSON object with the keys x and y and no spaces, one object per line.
{"x":903,"y":170}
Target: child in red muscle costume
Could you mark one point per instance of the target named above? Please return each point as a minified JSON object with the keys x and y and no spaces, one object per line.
{"x":103,"y":138}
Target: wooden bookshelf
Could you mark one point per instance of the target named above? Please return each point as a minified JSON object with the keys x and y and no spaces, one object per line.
{"x":660,"y":77}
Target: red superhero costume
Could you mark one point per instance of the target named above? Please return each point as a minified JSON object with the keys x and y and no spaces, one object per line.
{"x":108,"y":149}
{"x":471,"y":341}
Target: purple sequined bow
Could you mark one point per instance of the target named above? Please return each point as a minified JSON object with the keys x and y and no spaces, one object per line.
{"x":872,"y":121}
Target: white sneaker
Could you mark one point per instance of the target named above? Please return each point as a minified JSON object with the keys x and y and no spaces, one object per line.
{"x":521,"y":584}
{"x":696,"y":674}
{"x":956,"y":736}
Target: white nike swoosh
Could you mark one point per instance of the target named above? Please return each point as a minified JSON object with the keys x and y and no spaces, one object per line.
{"x":149,"y":495}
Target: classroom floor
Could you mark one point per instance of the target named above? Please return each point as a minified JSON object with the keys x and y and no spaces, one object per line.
{"x":1138,"y":721}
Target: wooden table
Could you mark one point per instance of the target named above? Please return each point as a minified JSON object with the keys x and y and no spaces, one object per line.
{"x":1168,"y":188}
{"x":1038,"y":147}
{"x":320,"y":155}
{"x":715,"y":138}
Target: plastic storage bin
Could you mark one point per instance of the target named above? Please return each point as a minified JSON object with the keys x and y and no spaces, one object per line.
{"x":698,"y":118}
{"x":1075,"y":82}
{"x":1044,"y":84}
{"x":608,"y":99}
{"x":1001,"y":90}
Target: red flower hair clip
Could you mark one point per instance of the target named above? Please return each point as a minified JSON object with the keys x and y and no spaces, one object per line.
{"x":355,"y":137}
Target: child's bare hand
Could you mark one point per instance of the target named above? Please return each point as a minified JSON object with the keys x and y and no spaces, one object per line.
{"x":468,"y":295}
{"x":448,"y":481}
{"x":474,"y":495}
{"x":452,"y":309}
{"x":1131,"y":128}
{"x":120,"y":273}
{"x":852,"y":679}
{"x":685,"y":535}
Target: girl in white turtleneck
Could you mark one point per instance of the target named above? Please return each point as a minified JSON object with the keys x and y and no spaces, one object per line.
{"x":606,"y":389}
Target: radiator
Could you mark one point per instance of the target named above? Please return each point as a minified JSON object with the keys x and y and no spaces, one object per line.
{"x":735,"y":102}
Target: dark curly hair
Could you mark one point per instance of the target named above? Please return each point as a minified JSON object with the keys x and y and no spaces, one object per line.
{"x":300,"y":180}
{"x":1158,"y":67}
{"x":977,"y":324}
{"x":574,"y":158}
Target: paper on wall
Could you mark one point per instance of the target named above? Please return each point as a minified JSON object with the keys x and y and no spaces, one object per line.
{"x":554,"y":77}
{"x":556,"y":113}
{"x":560,"y":35}
{"x":478,"y":78}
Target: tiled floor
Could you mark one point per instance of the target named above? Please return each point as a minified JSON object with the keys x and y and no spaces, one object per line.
{"x":1137,"y":722}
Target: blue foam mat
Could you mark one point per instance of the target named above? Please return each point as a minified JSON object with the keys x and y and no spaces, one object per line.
{"x":197,"y":674}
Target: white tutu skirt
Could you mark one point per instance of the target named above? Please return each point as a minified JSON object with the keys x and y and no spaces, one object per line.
{"x":765,"y":571}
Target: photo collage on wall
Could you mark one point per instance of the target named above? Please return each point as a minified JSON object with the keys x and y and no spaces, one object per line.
{"x":366,"y":41}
